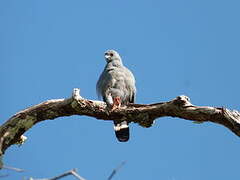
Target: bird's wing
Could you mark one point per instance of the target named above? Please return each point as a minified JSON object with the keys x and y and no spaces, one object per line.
{"x":124,"y":81}
{"x":120,"y":80}
{"x":103,"y":83}
{"x":129,"y":85}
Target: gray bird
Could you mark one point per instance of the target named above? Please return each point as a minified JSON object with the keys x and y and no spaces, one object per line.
{"x":116,"y":85}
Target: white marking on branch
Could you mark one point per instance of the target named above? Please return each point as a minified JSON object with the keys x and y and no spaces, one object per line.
{"x":76,"y":94}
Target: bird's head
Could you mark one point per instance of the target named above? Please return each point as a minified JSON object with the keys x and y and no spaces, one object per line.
{"x":111,"y":55}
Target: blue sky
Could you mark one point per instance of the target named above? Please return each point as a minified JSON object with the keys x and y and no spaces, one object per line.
{"x":173,"y":47}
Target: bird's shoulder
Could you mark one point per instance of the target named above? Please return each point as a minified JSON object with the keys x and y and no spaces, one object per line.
{"x":116,"y":74}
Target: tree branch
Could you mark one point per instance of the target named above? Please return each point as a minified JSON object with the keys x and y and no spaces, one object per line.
{"x":13,"y":168}
{"x":116,"y":170}
{"x":12,"y":130}
{"x":72,"y":172}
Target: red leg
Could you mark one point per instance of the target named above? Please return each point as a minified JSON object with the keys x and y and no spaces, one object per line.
{"x":116,"y":103}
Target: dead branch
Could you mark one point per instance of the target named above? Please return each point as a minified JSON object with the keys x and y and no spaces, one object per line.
{"x":72,"y":172}
{"x":10,"y":168}
{"x":144,"y":114}
{"x":13,"y":169}
{"x":116,"y":170}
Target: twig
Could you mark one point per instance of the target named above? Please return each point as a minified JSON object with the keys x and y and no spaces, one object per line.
{"x":68,"y":173}
{"x":74,"y":173}
{"x":116,"y":170}
{"x":13,"y":168}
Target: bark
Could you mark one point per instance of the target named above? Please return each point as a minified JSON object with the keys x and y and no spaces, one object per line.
{"x":144,"y":114}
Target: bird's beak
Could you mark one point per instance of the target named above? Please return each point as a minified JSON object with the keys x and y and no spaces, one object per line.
{"x":107,"y":56}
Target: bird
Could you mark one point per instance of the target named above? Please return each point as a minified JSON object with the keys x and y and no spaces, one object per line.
{"x":116,"y":86}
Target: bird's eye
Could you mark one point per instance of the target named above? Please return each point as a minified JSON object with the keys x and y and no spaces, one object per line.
{"x":111,"y":54}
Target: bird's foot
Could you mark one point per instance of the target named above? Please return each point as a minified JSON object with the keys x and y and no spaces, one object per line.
{"x":116,"y":103}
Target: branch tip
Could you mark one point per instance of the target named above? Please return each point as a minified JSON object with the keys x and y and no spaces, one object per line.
{"x":21,"y":140}
{"x":76,"y":94}
{"x":13,"y":168}
{"x":182,"y":101}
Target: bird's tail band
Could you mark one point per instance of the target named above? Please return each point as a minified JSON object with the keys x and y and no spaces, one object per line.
{"x":122,"y":131}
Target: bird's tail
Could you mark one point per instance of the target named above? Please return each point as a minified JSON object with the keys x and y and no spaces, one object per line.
{"x":121,"y":130}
